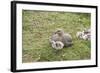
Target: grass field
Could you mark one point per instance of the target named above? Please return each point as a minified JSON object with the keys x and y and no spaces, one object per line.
{"x":37,"y":28}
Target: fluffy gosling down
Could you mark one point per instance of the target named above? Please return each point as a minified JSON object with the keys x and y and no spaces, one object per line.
{"x":85,"y":35}
{"x":57,"y":45}
{"x":59,"y":39}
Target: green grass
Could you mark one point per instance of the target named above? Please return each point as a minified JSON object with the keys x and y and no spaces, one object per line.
{"x":37,"y":28}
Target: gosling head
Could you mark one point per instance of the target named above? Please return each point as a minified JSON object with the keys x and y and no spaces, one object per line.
{"x":60,"y":32}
